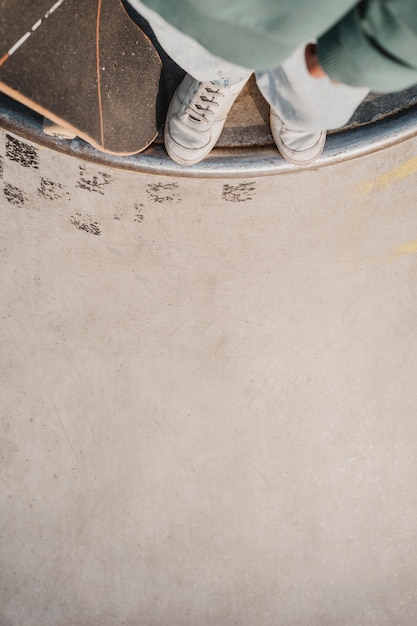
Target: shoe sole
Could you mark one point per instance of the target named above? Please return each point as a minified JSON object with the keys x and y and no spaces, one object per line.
{"x":285,"y":152}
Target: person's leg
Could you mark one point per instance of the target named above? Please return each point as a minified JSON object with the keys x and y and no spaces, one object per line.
{"x":200,"y":105}
{"x":192,"y":57}
{"x":303,"y":108}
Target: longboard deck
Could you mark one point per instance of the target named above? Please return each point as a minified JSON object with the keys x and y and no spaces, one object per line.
{"x":84,"y":65}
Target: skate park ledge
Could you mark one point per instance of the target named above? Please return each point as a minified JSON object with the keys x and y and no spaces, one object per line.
{"x":246,"y":146}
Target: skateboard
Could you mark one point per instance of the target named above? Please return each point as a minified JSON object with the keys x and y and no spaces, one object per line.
{"x":84,"y":65}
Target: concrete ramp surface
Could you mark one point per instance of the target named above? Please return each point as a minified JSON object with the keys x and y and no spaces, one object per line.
{"x":208,"y":406}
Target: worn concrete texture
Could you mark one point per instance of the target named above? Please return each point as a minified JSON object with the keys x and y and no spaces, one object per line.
{"x":208,"y":407}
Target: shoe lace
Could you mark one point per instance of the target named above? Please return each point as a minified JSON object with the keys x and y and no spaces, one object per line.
{"x":204,"y":102}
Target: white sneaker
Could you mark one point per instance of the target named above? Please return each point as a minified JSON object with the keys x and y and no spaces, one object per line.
{"x":196,"y":117}
{"x":299,"y":147}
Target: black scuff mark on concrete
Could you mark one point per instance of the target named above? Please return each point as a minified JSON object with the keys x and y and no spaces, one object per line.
{"x":50,"y":190}
{"x":22,"y":153}
{"x":139,"y":217}
{"x":86,"y":223}
{"x":163,"y":192}
{"x":243,"y":192}
{"x":120,"y":214}
{"x":1,"y":168}
{"x":14,"y":195}
{"x":93,"y":182}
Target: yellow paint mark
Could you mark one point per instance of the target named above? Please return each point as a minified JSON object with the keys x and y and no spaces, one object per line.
{"x":406,"y":250}
{"x":360,"y":262}
{"x":385,"y":180}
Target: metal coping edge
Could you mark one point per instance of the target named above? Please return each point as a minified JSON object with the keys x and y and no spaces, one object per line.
{"x":230,"y":162}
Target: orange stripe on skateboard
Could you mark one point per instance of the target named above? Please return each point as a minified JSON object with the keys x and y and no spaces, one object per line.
{"x":100,"y":106}
{"x":4,"y":59}
{"x":30,"y":32}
